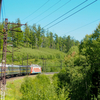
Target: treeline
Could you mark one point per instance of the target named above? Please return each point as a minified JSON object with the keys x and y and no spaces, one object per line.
{"x":35,"y":36}
{"x":81,"y":76}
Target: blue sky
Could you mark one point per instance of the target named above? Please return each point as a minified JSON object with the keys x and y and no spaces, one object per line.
{"x":32,"y":11}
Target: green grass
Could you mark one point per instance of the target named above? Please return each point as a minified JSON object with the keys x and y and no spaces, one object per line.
{"x":40,"y":53}
{"x":13,"y":89}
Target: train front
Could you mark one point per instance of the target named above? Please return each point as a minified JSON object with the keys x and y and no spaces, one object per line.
{"x":35,"y":69}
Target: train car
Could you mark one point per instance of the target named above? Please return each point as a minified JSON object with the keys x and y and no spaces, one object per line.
{"x":21,"y":70}
{"x":35,"y":69}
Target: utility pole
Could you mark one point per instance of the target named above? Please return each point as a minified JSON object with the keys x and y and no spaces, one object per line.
{"x":43,"y":64}
{"x":61,"y":64}
{"x":3,"y":67}
{"x":22,"y":60}
{"x":27,"y":65}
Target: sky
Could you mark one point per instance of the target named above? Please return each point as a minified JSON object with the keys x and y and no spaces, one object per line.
{"x":63,"y":17}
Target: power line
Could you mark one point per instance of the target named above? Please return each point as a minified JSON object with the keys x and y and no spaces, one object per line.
{"x":45,"y":10}
{"x":4,"y":8}
{"x":36,"y":10}
{"x":73,"y":13}
{"x":2,"y":13}
{"x":82,"y":26}
{"x":0,"y":7}
{"x":66,"y":12}
{"x":54,"y":11}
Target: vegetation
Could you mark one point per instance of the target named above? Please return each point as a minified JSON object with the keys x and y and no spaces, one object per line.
{"x":13,"y":89}
{"x":38,"y":46}
{"x":51,"y":59}
{"x":79,"y":78}
{"x":36,"y":37}
{"x":41,"y":87}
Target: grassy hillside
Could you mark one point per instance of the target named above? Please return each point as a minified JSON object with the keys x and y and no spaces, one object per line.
{"x":51,"y":59}
{"x":40,"y":53}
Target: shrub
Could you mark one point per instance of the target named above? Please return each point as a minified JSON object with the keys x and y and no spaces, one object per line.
{"x":41,"y":88}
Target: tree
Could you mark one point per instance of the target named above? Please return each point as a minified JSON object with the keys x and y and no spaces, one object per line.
{"x":60,"y":43}
{"x":12,"y":36}
{"x":90,"y":47}
{"x":1,"y":40}
{"x":39,"y":36}
{"x":26,"y":35}
{"x":77,"y":43}
{"x":48,"y":39}
{"x":43,"y":37}
{"x":68,"y":43}
{"x":51,"y":39}
{"x":64,"y":43}
{"x":56,"y":41}
{"x":32,"y":38}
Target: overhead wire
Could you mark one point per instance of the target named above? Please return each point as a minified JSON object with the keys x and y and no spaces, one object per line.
{"x":82,"y":26}
{"x":54,"y":11}
{"x":2,"y":13}
{"x":36,"y":10}
{"x":4,"y":8}
{"x":0,"y":7}
{"x":73,"y":13}
{"x":45,"y":11}
{"x":66,"y":13}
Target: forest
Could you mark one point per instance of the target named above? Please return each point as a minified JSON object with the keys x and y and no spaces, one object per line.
{"x":78,"y":79}
{"x":35,"y":37}
{"x":38,"y":44}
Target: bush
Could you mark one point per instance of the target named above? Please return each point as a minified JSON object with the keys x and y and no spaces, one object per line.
{"x":74,"y":80}
{"x":41,"y":88}
{"x":80,"y":60}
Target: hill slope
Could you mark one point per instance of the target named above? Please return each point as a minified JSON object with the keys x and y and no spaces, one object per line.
{"x":43,"y":56}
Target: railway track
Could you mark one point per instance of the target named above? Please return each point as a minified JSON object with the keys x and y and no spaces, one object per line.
{"x":33,"y":75}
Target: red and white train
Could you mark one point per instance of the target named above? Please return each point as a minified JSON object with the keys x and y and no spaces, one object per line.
{"x":21,"y":70}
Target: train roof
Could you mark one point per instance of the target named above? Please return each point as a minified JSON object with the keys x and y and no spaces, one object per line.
{"x":32,"y":65}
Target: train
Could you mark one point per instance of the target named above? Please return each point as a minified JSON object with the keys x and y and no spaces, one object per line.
{"x":21,"y":70}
